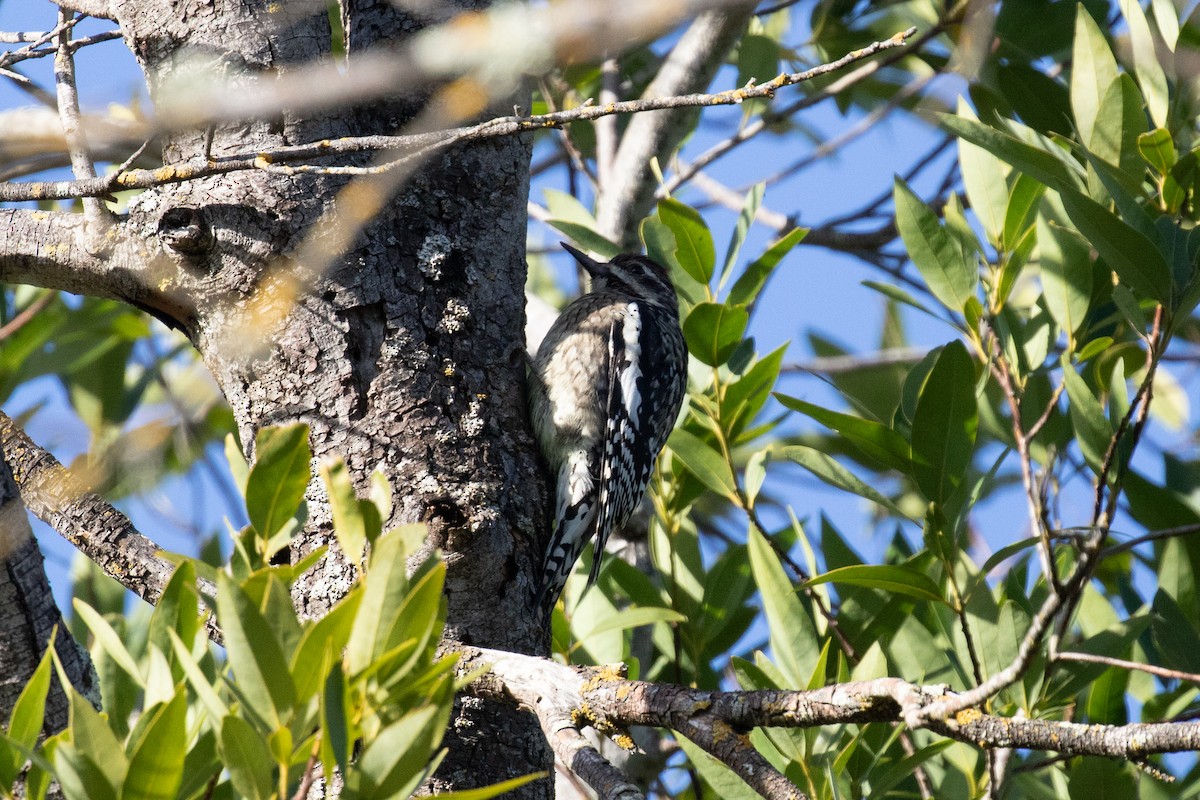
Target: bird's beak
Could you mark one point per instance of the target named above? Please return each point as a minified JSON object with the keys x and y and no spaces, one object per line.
{"x":594,"y":268}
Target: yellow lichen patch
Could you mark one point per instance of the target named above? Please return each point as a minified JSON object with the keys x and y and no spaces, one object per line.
{"x":968,"y":715}
{"x":625,"y":742}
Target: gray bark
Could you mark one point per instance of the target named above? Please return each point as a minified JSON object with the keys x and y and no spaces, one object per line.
{"x":28,"y":616}
{"x":402,"y":349}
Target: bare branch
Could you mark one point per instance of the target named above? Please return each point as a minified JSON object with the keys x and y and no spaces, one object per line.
{"x":83,"y":518}
{"x":602,"y":698}
{"x":1120,"y":663}
{"x":89,"y":8}
{"x":420,"y":145}
{"x":690,"y":66}
{"x":82,"y":165}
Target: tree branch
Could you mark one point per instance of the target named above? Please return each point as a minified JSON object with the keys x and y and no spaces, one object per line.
{"x":419,"y":145}
{"x":83,"y":518}
{"x":690,"y":66}
{"x":82,"y":165}
{"x":602,"y":698}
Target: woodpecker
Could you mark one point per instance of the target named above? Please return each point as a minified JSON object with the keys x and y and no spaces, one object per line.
{"x":607,"y":384}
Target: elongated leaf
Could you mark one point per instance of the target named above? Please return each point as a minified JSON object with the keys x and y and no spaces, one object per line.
{"x":586,"y":237}
{"x":348,"y":523}
{"x":385,"y":588}
{"x":833,"y":473}
{"x":1034,"y":161}
{"x":892,"y":578}
{"x":746,"y":288}
{"x":261,"y":675}
{"x":703,"y":461}
{"x":944,"y":423}
{"x":746,"y":396}
{"x":1022,"y":205}
{"x":156,"y":764}
{"x":331,"y":632}
{"x":494,"y":790}
{"x":196,"y":678}
{"x":693,"y":241}
{"x":108,"y":639}
{"x":744,"y":221}
{"x":392,"y":764}
{"x":1092,"y":428}
{"x":1135,"y":259}
{"x":878,"y":441}
{"x":793,"y":636}
{"x":276,"y":483}
{"x":25,"y":724}
{"x":1093,"y":69}
{"x":984,"y":179}
{"x":1150,"y":76}
{"x":950,"y":273}
{"x":246,"y":756}
{"x":633,"y":618}
{"x":1066,"y":275}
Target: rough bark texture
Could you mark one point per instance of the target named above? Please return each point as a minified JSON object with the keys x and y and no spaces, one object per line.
{"x":28,"y":615}
{"x":401,"y":348}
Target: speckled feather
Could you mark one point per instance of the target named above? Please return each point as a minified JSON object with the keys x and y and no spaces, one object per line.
{"x":608,"y":383}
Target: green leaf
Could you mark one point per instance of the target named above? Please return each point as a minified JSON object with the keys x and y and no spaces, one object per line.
{"x":1157,"y":148}
{"x":633,"y":618}
{"x":950,"y":272}
{"x":745,"y":397}
{"x":196,"y":678}
{"x":723,"y":781}
{"x":80,"y":777}
{"x":331,"y":632}
{"x":1038,"y":163}
{"x":1149,"y":72}
{"x":1114,"y":139}
{"x":984,"y":179}
{"x":746,"y":288}
{"x":1092,"y":428}
{"x":276,"y":483}
{"x":91,"y":734}
{"x":693,"y":241}
{"x":586,"y":237}
{"x":744,"y":221}
{"x":238,"y":467}
{"x":156,"y":763}
{"x":385,"y":588}
{"x":896,"y":579}
{"x":108,"y":640}
{"x":1066,"y":275}
{"x":833,"y":473}
{"x":394,"y":762}
{"x":29,"y":711}
{"x":349,"y":524}
{"x":263,"y":681}
{"x":1022,"y":205}
{"x":714,"y":330}
{"x":794,"y":638}
{"x":245,"y":755}
{"x":178,"y":609}
{"x":944,"y":424}
{"x":494,"y":790}
{"x":335,"y":733}
{"x":876,"y":440}
{"x":704,"y":461}
{"x":1093,"y":69}
{"x":899,"y":295}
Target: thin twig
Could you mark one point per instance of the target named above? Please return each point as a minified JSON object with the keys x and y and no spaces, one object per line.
{"x":1120,"y":663}
{"x":419,"y":144}
{"x":94,"y":210}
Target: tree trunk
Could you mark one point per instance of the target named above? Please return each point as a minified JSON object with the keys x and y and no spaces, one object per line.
{"x":29,"y":615}
{"x":401,"y":347}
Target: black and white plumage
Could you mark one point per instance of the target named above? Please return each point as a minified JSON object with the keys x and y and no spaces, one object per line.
{"x":607,"y":385}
